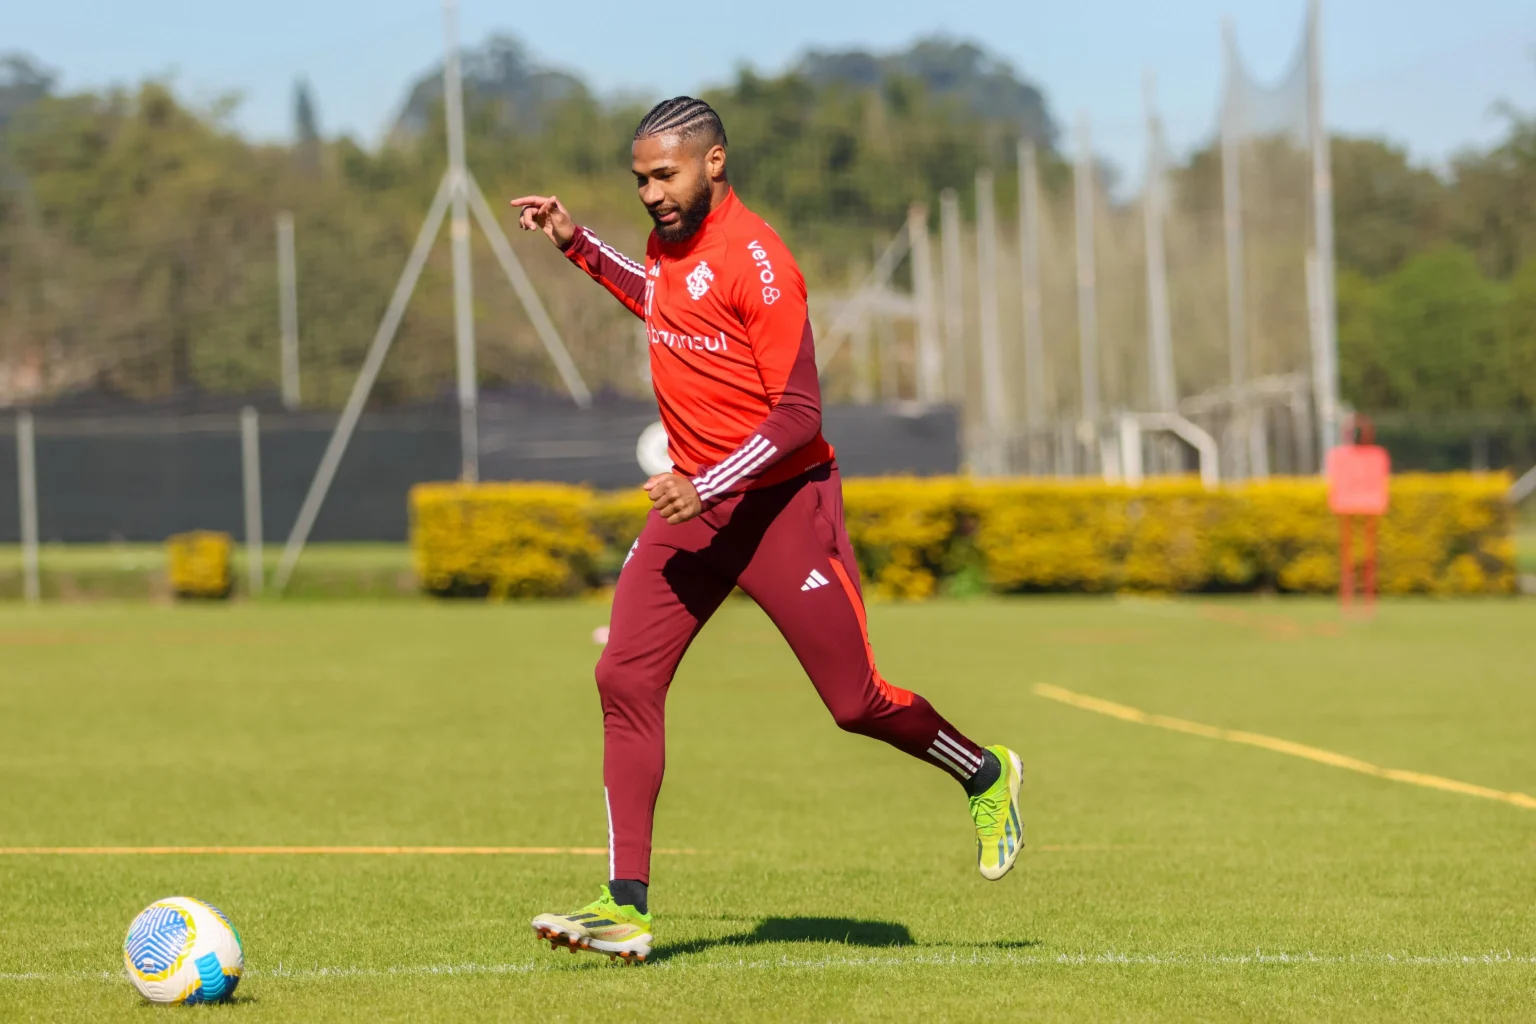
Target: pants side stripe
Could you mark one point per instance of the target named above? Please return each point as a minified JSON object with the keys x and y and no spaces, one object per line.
{"x":612,"y":858}
{"x":894,"y":694}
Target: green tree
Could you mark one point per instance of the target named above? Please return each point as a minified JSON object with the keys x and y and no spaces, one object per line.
{"x":151,"y":267}
{"x":1363,"y":380}
{"x":22,"y":83}
{"x":1430,"y":338}
{"x":833,"y":167}
{"x":984,"y":86}
{"x":1385,"y":209}
{"x":1520,"y":334}
{"x":1493,"y":211}
{"x":306,"y":129}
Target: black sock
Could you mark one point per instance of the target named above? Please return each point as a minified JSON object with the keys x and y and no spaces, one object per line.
{"x":987,"y":774}
{"x":627,"y":892}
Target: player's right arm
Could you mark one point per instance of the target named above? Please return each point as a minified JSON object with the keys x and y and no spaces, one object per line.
{"x":603,"y":263}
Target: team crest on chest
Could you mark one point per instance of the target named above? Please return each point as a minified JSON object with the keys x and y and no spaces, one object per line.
{"x":699,"y":279}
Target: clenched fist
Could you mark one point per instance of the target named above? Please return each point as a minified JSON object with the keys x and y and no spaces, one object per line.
{"x":674,"y":497}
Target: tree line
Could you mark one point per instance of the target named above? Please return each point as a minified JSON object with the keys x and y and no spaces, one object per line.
{"x":136,"y":229}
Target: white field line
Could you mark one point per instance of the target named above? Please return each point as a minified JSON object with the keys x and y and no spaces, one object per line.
{"x":1001,"y":958}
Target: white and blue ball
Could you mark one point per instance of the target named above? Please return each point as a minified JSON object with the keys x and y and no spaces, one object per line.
{"x":181,"y":950}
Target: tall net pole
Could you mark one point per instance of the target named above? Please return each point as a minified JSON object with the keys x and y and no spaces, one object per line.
{"x":1029,"y":272}
{"x":862,"y":352}
{"x":518,"y":278}
{"x":1320,"y":369}
{"x":863,"y":362}
{"x":954,"y":294}
{"x":930,"y":356}
{"x":1326,"y":357}
{"x":383,"y":338}
{"x":887,"y":359}
{"x":458,"y":193}
{"x":26,"y":488}
{"x":994,"y":397}
{"x":1232,"y":229}
{"x":288,"y":310}
{"x":1087,"y":286}
{"x":463,"y":283}
{"x":1163,"y":391}
{"x":250,"y":479}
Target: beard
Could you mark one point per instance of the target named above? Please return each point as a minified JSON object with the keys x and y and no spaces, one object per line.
{"x":691,"y":209}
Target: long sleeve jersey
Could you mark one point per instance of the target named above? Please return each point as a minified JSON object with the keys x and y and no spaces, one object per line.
{"x":732,"y":357}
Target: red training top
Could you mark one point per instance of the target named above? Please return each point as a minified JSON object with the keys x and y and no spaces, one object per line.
{"x":732,"y":359}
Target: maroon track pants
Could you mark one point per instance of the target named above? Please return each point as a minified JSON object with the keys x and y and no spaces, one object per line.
{"x":786,"y":547}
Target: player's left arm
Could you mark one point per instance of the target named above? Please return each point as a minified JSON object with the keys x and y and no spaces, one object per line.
{"x":768,"y":293}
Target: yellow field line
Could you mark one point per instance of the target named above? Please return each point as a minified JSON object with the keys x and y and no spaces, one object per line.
{"x":448,"y":851}
{"x":1253,"y":739}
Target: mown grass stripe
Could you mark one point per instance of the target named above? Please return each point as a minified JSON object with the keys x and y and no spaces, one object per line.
{"x":1253,"y":739}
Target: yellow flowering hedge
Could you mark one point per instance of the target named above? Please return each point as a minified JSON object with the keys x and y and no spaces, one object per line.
{"x":908,"y":533}
{"x":1445,"y":534}
{"x":199,"y":564}
{"x":504,"y":540}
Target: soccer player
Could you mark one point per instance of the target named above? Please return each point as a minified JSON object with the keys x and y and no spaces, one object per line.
{"x":753,"y":500}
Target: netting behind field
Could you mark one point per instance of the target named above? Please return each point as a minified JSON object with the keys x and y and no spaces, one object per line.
{"x":1110,"y":287}
{"x":1240,"y":231}
{"x":1227,"y":313}
{"x":1273,"y":137}
{"x":1092,"y":316}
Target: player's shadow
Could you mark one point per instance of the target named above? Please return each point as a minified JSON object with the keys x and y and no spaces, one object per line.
{"x":844,"y":930}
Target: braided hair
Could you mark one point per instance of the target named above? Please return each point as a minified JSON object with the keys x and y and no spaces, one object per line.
{"x":685,"y":116}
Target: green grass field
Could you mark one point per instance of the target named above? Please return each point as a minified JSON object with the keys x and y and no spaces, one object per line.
{"x":1169,"y":876}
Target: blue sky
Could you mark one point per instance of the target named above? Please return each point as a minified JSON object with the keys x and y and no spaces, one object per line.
{"x":1423,"y":72}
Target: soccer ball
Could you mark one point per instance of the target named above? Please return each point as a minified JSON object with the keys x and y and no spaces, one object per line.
{"x":181,"y":950}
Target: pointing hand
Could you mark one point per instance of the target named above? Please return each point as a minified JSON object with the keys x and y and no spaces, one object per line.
{"x":544,"y":213}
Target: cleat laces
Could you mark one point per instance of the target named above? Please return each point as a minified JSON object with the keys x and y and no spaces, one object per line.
{"x":987,"y":814}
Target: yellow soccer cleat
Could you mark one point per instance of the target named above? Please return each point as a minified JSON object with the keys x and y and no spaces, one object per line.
{"x":601,"y":926}
{"x":999,"y":833}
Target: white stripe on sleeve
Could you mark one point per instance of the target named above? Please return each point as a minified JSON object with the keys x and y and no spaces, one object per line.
{"x":725,"y":483}
{"x":614,"y":254}
{"x":740,"y":455}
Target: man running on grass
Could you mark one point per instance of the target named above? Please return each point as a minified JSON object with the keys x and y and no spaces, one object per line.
{"x":754,"y":500}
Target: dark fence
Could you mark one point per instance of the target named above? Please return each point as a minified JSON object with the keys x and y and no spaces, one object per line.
{"x":1438,"y":444}
{"x":141,"y":476}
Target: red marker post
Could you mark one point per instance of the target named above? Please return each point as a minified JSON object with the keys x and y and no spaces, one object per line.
{"x":1358,"y":473}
